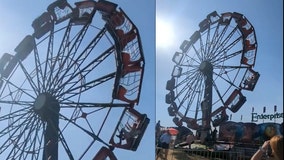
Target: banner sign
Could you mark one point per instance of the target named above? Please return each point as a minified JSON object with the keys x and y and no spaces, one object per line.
{"x":255,"y":117}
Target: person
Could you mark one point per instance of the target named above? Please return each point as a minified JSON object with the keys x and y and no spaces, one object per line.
{"x":208,"y":139}
{"x":158,"y":125}
{"x":165,"y":141}
{"x":276,"y":144}
{"x":214,"y":135}
{"x":158,"y":129}
{"x":188,"y":141}
{"x":128,"y":135}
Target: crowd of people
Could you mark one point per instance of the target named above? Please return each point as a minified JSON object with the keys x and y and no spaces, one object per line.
{"x":271,"y":149}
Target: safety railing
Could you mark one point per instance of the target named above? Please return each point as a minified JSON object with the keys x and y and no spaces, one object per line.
{"x":206,"y":154}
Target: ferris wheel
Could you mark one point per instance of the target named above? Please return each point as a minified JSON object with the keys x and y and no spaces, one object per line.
{"x":72,"y":85}
{"x":211,"y":71}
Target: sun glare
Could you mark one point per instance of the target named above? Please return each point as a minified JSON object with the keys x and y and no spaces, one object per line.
{"x":164,"y":33}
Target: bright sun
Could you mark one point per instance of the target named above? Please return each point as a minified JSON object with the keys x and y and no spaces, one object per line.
{"x":164,"y":33}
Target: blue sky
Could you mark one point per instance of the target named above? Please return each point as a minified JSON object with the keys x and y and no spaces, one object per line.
{"x":176,"y":21}
{"x":182,"y":18}
{"x":17,"y":17}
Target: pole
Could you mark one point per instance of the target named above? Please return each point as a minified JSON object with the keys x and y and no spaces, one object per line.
{"x":206,"y":105}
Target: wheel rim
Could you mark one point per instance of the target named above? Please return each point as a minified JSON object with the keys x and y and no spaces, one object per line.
{"x":210,"y":71}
